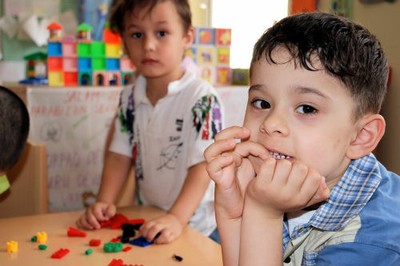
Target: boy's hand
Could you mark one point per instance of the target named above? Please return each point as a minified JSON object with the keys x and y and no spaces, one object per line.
{"x":283,"y":186}
{"x":230,"y":169}
{"x":162,"y":230}
{"x":96,"y":213}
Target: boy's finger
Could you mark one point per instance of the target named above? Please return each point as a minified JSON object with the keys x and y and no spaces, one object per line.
{"x":321,"y":194}
{"x":218,"y":148}
{"x":234,"y":132}
{"x":247,"y":148}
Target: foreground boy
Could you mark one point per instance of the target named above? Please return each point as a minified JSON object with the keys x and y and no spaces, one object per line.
{"x":303,"y":167}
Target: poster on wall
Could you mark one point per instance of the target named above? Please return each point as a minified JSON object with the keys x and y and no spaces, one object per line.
{"x":73,"y":123}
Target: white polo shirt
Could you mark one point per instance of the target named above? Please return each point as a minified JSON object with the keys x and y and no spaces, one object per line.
{"x":167,"y":139}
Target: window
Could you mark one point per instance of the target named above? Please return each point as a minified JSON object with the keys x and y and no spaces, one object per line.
{"x":248,"y":20}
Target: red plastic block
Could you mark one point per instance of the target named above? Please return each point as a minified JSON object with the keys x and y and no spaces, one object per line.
{"x":116,"y":262}
{"x":60,"y":253}
{"x":126,"y":249}
{"x":118,"y":220}
{"x":95,"y":242}
{"x":75,"y":232}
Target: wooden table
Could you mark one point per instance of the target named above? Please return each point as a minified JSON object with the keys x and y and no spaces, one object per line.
{"x":192,"y":246}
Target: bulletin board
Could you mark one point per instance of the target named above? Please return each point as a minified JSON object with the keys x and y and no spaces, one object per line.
{"x":16,"y":49}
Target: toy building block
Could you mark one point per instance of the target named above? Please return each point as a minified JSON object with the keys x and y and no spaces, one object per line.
{"x":113,"y":50}
{"x":99,"y":64}
{"x":12,"y":246}
{"x":88,"y":251}
{"x":115,"y":222}
{"x":206,"y":55}
{"x":70,"y":64}
{"x":54,"y":31}
{"x":205,"y":36}
{"x":126,"y":249}
{"x":84,"y":32}
{"x":100,"y":78}
{"x":60,"y":253}
{"x":54,"y":49}
{"x":56,"y":78}
{"x":71,"y":79}
{"x":98,"y":49}
{"x":95,"y":242}
{"x":110,"y":247}
{"x":69,"y":47}
{"x":223,"y":76}
{"x":112,"y":64}
{"x":84,"y":49}
{"x":111,"y":37}
{"x":223,"y":56}
{"x":42,"y":247}
{"x":75,"y":232}
{"x":223,"y":37}
{"x":55,"y":63}
{"x":41,"y":237}
{"x":141,"y":242}
{"x":116,"y":262}
{"x":126,"y":64}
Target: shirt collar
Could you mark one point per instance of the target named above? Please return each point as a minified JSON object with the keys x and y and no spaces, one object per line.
{"x":173,"y":88}
{"x":350,"y":195}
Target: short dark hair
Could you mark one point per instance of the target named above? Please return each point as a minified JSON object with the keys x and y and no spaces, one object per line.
{"x":14,"y":128}
{"x":120,"y":8}
{"x":348,"y":52}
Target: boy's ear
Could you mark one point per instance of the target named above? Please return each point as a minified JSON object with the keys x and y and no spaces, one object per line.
{"x":370,"y":132}
{"x":189,"y":38}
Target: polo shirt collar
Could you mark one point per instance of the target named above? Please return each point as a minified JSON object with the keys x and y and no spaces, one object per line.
{"x":173,"y":88}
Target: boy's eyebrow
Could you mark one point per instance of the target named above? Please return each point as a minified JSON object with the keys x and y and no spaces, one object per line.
{"x":299,"y":90}
{"x":255,"y":87}
{"x":305,"y":90}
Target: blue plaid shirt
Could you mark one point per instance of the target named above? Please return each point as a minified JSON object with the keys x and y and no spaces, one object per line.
{"x":346,"y":199}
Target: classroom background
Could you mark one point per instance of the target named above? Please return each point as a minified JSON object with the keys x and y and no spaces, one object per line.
{"x":73,"y":121}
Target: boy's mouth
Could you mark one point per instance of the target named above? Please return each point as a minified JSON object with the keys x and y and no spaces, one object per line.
{"x":278,"y":156}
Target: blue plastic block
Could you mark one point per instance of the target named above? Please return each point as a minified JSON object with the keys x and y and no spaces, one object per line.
{"x":84,"y":64}
{"x":141,"y":242}
{"x":112,"y":64}
{"x":54,"y":49}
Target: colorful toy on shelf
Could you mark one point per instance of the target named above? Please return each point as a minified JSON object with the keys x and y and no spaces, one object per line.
{"x":211,"y":53}
{"x":82,"y":62}
{"x":35,"y":69}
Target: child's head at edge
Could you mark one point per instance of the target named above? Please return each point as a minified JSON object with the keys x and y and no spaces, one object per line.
{"x":348,"y":52}
{"x":14,"y":129}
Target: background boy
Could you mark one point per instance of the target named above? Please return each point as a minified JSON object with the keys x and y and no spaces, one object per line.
{"x":164,"y":124}
{"x":14,"y":129}
{"x":317,"y":83}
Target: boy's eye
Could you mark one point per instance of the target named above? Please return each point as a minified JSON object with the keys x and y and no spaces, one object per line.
{"x":136,"y":35}
{"x":261,"y":104}
{"x":161,"y":33}
{"x":306,"y":109}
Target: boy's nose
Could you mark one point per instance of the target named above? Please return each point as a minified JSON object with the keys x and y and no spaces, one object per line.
{"x":149,"y":43}
{"x":274,"y":123}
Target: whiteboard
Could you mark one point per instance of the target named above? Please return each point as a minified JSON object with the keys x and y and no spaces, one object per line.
{"x":73,"y":122}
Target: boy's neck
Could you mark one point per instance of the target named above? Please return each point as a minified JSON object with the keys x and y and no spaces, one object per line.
{"x":157,"y":88}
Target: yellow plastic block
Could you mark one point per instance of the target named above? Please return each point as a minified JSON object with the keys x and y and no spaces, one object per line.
{"x":113,"y":50}
{"x":12,"y":246}
{"x":56,"y":78}
{"x":41,"y":237}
